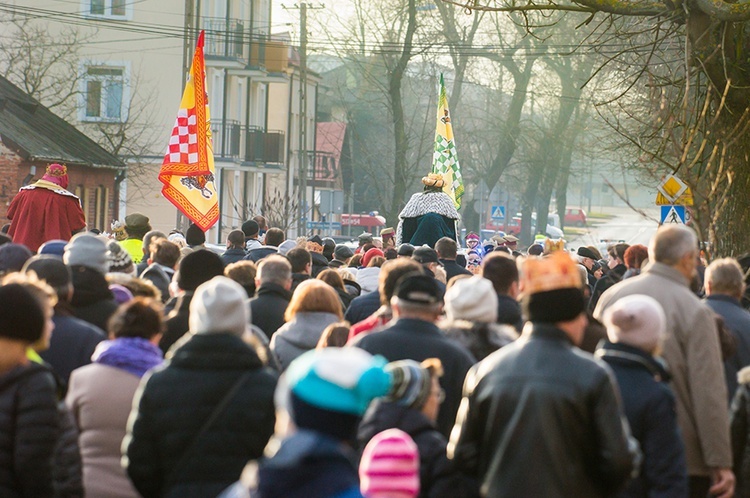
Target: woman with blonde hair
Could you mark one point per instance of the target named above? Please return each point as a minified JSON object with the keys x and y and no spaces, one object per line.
{"x":314,"y":306}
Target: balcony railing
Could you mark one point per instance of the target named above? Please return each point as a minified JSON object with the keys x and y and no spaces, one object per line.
{"x":249,"y":143}
{"x":225,"y":38}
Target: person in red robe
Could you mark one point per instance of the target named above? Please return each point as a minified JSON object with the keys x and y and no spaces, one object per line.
{"x":45,"y":210}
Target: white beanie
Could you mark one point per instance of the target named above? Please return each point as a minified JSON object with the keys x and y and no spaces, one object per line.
{"x":473,"y":299}
{"x":636,"y":320}
{"x":219,"y":305}
{"x":89,"y":250}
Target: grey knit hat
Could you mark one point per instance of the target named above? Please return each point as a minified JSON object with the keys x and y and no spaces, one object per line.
{"x":87,"y":250}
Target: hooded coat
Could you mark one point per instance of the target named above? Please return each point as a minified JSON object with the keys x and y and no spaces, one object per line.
{"x":92,"y":301}
{"x":299,"y":335}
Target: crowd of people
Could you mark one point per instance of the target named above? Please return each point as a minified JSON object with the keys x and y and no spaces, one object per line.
{"x":144,"y":364}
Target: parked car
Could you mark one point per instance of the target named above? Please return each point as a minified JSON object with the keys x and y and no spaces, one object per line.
{"x":575,"y":217}
{"x":513,"y":227}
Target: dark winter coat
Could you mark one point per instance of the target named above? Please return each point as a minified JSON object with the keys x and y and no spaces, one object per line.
{"x":481,"y":339}
{"x":412,"y":339}
{"x":438,"y":475}
{"x":298,"y":278}
{"x":611,"y":278}
{"x":72,"y":344}
{"x":509,"y":312}
{"x":650,"y":407}
{"x":161,"y":277}
{"x":92,"y":301}
{"x":259,"y":253}
{"x":542,"y":418}
{"x":737,"y":320}
{"x":452,"y":269}
{"x":29,"y":431}
{"x":268,"y":306}
{"x":740,"y":427}
{"x":319,"y":263}
{"x":233,"y":255}
{"x":173,"y":403}
{"x":68,"y":467}
{"x":361,"y":307}
{"x":177,"y":322}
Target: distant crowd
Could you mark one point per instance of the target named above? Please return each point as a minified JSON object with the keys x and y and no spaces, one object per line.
{"x":140,"y":363}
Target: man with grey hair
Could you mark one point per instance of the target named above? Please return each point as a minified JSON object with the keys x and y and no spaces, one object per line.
{"x":725,"y":285}
{"x":693,"y":353}
{"x":417,"y":303}
{"x":273,"y":283}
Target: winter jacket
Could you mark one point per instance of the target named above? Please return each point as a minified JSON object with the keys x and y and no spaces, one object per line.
{"x":692,"y":352}
{"x":740,"y":427}
{"x":368,"y":278}
{"x":100,"y":398}
{"x":438,"y":476}
{"x":161,"y":276}
{"x":261,"y":252}
{"x":298,"y":278}
{"x":509,"y":312}
{"x":92,"y":300}
{"x":345,"y":297}
{"x":29,"y":431}
{"x":542,"y":418}
{"x":319,"y":263}
{"x":361,"y":307}
{"x":68,"y":468}
{"x":307,"y":465}
{"x":481,"y":339}
{"x":173,"y":403}
{"x":177,"y":322}
{"x":268,"y":306}
{"x":737,"y":320}
{"x":413,"y":339}
{"x":71,"y":345}
{"x":452,"y":269}
{"x":233,"y":255}
{"x":374,"y":322}
{"x":299,"y":335}
{"x":615,"y":275}
{"x":650,"y":407}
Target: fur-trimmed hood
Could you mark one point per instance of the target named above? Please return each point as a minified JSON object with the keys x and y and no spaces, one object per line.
{"x":743,"y":376}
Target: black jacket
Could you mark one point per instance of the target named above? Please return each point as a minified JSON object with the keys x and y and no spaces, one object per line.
{"x":737,"y":320}
{"x":319,"y":263}
{"x":177,"y":322}
{"x":438,"y":475}
{"x":412,"y":339}
{"x":92,"y":301}
{"x":29,"y":431}
{"x":298,"y":278}
{"x":161,"y":277}
{"x":650,"y":407}
{"x":452,"y":268}
{"x":509,"y":312}
{"x":361,"y":307}
{"x":542,"y":418}
{"x":268,"y":306}
{"x":173,"y":403}
{"x":72,"y":344}
{"x":233,"y":255}
{"x":261,"y":252}
{"x":614,"y":276}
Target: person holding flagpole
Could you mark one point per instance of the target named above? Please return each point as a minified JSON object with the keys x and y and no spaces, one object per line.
{"x":433,"y":214}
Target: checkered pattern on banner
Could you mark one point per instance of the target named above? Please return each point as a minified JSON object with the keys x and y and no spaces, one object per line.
{"x":183,"y":144}
{"x":444,"y":160}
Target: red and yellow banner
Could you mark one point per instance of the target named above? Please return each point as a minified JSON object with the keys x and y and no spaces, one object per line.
{"x":188,"y":168}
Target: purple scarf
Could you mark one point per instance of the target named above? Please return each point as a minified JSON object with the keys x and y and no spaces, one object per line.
{"x":132,"y":354}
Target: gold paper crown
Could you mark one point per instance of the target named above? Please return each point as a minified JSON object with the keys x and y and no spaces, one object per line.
{"x":556,"y":271}
{"x":434,"y":180}
{"x":551,"y":246}
{"x":57,"y":170}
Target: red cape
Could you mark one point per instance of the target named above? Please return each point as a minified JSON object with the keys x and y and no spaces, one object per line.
{"x":38,"y":214}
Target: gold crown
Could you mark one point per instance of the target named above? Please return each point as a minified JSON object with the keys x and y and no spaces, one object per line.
{"x":551,"y":246}
{"x":56,"y":170}
{"x":434,"y":180}
{"x":556,"y":271}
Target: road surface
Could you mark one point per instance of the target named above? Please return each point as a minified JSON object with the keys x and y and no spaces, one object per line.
{"x":627,"y":225}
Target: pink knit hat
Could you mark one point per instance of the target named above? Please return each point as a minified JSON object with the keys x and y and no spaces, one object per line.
{"x":390,"y":466}
{"x":637,"y":320}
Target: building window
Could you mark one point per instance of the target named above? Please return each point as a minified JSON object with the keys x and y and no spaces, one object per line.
{"x":116,"y":9}
{"x":103,"y":93}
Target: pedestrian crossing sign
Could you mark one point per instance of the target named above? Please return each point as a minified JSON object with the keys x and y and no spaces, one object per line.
{"x":673,"y":214}
{"x":498,"y":212}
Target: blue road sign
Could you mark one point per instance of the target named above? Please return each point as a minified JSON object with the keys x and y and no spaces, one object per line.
{"x":498,"y":213}
{"x":673,"y":214}
{"x":323,"y":225}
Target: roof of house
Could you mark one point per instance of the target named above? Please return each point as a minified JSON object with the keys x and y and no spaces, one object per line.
{"x":38,"y":134}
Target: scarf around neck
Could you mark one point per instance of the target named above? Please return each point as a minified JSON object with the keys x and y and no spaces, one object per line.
{"x":135,"y":355}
